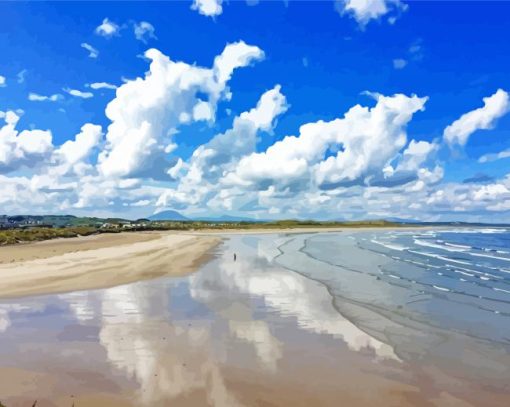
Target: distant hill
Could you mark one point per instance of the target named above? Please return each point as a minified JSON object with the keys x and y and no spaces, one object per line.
{"x":168,"y":215}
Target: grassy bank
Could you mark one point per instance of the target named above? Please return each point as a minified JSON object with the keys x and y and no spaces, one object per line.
{"x":11,"y":236}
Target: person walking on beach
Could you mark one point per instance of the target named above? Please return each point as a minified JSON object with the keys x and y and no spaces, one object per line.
{"x":235,"y":257}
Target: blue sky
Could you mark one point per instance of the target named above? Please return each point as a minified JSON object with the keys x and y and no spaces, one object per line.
{"x":317,"y":60}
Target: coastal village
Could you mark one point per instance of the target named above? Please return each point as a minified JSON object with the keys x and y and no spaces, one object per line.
{"x":29,"y":222}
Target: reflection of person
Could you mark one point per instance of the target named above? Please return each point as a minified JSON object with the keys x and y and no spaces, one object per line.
{"x":235,"y":257}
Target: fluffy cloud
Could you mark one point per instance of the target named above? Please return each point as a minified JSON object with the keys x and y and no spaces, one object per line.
{"x":102,"y":85}
{"x":2,"y":81}
{"x":363,"y":11}
{"x":208,"y":8}
{"x":363,"y":164}
{"x":371,"y":162}
{"x":25,"y":148}
{"x":470,"y":198}
{"x":328,"y":155}
{"x":93,"y":52}
{"x":71,"y":155}
{"x":34,"y":97}
{"x":78,"y":93}
{"x":143,"y":31}
{"x":147,"y":111}
{"x":107,"y":28}
{"x":210,"y":161}
{"x":483,"y":118}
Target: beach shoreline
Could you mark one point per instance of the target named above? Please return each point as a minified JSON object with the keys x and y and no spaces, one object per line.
{"x":106,"y":260}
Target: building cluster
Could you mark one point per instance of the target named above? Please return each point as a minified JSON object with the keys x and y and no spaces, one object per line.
{"x":125,"y":225}
{"x":21,"y":222}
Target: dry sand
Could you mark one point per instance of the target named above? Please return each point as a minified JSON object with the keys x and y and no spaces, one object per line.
{"x":82,"y":263}
{"x":55,"y":247}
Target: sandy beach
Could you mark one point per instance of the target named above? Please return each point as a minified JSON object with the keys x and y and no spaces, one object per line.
{"x":107,"y":260}
{"x":298,"y":318}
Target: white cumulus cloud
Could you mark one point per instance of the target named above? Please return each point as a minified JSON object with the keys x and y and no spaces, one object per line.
{"x":208,"y":8}
{"x":483,"y":118}
{"x":2,"y":81}
{"x":344,"y":151}
{"x":107,"y":28}
{"x":210,"y":161}
{"x":147,"y":111}
{"x":25,"y":148}
{"x":102,"y":85}
{"x":79,"y":93}
{"x":143,"y":31}
{"x":363,"y":11}
{"x":35,"y":97}
{"x":71,"y":155}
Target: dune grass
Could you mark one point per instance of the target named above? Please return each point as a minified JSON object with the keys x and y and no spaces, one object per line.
{"x":11,"y":236}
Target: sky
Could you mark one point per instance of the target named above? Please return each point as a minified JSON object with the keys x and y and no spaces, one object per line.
{"x":346,"y":109}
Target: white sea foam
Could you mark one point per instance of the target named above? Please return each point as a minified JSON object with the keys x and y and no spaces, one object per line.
{"x":464,"y":273}
{"x":391,"y":246}
{"x":476,"y":272}
{"x":489,"y":256}
{"x":500,"y":289}
{"x":437,"y":256}
{"x":473,"y":231}
{"x":438,"y":246}
{"x":460,"y":246}
{"x":440,"y":288}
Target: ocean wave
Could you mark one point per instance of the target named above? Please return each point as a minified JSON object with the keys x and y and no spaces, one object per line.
{"x":488,"y":256}
{"x":437,"y":256}
{"x":390,"y":245}
{"x":438,"y":246}
{"x":460,"y":246}
{"x":464,"y":273}
{"x":473,"y":231}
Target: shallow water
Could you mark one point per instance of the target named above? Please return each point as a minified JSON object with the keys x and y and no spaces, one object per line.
{"x":369,"y":318}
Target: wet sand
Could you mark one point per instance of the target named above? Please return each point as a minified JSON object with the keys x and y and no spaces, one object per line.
{"x":64,"y":265}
